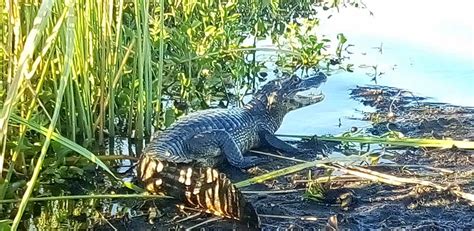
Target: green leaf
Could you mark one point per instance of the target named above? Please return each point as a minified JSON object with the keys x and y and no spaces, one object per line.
{"x":209,"y":31}
{"x":342,"y":39}
{"x":65,"y":142}
{"x":5,"y":225}
{"x":170,"y":116}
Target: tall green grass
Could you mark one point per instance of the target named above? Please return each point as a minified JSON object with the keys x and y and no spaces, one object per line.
{"x":61,"y":62}
{"x":91,"y":70}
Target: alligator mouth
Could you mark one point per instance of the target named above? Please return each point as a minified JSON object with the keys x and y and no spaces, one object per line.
{"x":303,"y":99}
{"x":306,"y":95}
{"x":307,"y":99}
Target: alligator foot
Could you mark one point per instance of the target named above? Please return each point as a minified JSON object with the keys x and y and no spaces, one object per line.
{"x":220,"y":141}
{"x":251,"y":161}
{"x":273,"y":142}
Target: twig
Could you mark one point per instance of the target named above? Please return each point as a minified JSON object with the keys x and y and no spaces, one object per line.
{"x":394,"y":180}
{"x":341,"y":178}
{"x":443,"y":170}
{"x":296,"y":168}
{"x":360,"y":174}
{"x":108,"y":222}
{"x":189,"y":217}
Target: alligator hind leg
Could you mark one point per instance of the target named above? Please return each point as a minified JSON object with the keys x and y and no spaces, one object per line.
{"x":217,"y":142}
{"x":272,"y":141}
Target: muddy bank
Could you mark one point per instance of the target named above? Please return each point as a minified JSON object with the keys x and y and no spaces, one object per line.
{"x":357,"y":204}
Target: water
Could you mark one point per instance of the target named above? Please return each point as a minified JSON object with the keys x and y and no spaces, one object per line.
{"x":419,"y":46}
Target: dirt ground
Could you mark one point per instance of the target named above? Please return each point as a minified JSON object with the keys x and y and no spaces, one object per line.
{"x":358,"y":204}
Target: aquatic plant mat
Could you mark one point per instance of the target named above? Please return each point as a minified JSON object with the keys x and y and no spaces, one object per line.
{"x":355,"y":186}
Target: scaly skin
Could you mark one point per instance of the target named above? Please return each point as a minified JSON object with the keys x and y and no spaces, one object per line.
{"x":179,"y":160}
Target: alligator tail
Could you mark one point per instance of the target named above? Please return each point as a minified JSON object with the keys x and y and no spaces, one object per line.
{"x":199,"y":187}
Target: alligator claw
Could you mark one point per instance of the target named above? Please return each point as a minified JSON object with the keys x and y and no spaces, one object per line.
{"x":250,"y":161}
{"x":292,"y":150}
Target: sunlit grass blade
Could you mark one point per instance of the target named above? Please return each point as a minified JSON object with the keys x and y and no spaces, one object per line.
{"x":111,"y":95}
{"x":299,"y":167}
{"x":69,"y":36}
{"x":277,"y":173}
{"x":17,"y":152}
{"x":141,"y":44}
{"x":407,"y":142}
{"x":160,"y":61}
{"x":17,"y":157}
{"x":20,"y":70}
{"x":148,"y":106}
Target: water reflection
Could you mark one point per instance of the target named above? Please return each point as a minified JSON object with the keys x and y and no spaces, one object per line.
{"x":427,"y":50}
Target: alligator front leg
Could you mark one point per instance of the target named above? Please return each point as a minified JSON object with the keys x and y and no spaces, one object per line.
{"x":272,"y":141}
{"x":220,"y":142}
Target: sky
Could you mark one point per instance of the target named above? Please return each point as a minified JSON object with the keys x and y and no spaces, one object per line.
{"x":431,"y":44}
{"x":445,"y":26}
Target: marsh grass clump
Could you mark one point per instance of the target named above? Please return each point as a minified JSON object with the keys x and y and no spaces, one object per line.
{"x":74,"y":73}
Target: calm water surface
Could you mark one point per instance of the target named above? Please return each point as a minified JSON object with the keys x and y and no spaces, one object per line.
{"x":419,"y":47}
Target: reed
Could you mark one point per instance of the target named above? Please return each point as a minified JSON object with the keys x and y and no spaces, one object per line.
{"x":74,"y":73}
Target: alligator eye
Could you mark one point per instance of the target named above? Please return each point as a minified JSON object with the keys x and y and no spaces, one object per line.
{"x":295,"y":79}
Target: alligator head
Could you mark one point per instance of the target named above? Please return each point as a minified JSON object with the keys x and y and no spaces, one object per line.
{"x":282,"y":95}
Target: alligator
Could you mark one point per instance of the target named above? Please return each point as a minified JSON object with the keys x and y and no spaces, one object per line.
{"x":181,"y":160}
